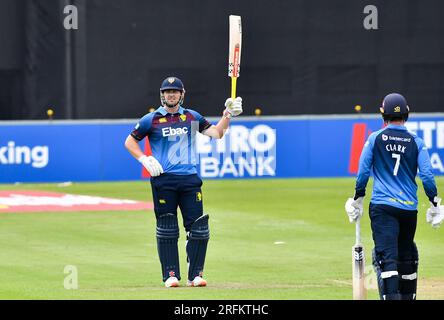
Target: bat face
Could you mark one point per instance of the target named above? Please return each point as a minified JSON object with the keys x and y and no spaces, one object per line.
{"x":234,"y":56}
{"x":358,"y":263}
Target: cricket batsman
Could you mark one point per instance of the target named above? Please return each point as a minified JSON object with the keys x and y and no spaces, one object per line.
{"x":395,"y":156}
{"x":171,"y":130}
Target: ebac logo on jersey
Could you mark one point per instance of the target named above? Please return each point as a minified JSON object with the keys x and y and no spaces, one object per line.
{"x":168,"y":132}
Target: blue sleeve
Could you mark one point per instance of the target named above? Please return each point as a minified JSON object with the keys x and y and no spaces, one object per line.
{"x":203,"y":123}
{"x":142,"y":128}
{"x":425,"y":170}
{"x":365,"y":166}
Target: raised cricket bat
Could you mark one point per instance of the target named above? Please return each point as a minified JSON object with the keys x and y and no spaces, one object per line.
{"x":234,"y":56}
{"x":358,"y":266}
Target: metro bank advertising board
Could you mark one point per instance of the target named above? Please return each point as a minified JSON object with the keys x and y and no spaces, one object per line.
{"x":252,"y":148}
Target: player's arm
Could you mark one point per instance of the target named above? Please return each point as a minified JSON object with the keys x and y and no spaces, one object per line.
{"x":132,"y":145}
{"x":425,"y":171}
{"x":233,"y":108}
{"x":149,"y":162}
{"x":365,"y":167}
{"x":354,"y":206}
{"x":140,"y":131}
{"x":434,"y":216}
{"x":217,"y":131}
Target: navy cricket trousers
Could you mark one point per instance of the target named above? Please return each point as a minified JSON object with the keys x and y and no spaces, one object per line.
{"x":171,"y":191}
{"x":393,"y":232}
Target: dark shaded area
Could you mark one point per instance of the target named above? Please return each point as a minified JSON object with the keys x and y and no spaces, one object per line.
{"x":298,"y":57}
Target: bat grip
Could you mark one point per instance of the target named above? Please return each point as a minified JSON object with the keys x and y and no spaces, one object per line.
{"x":233,"y":87}
{"x":358,"y":231}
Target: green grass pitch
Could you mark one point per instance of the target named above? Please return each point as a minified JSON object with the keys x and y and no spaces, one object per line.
{"x":286,"y":239}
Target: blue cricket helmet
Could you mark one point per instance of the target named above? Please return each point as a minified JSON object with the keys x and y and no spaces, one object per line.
{"x":172,"y":83}
{"x":394,"y":106}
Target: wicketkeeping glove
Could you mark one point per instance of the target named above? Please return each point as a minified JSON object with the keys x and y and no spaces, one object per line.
{"x":152,"y":165}
{"x":234,"y":106}
{"x":354,"y":208}
{"x":434,"y":214}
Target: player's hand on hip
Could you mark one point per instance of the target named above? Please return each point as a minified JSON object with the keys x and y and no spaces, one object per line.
{"x":234,"y":106}
{"x":354,"y":208}
{"x":152,"y":165}
{"x":434,"y":214}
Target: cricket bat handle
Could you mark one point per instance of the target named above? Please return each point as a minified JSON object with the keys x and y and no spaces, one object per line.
{"x":358,"y":231}
{"x":233,"y":87}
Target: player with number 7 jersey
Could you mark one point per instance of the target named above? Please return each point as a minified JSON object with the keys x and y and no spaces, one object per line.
{"x":395,"y":156}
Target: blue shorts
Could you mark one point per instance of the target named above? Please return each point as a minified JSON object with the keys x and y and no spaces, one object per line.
{"x":184,"y":191}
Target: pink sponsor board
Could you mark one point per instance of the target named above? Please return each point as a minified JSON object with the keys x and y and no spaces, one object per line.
{"x":39,"y":201}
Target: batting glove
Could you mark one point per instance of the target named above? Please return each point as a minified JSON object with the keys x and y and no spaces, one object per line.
{"x":354,"y":208}
{"x":434,"y":214}
{"x":234,"y":106}
{"x":152,"y":165}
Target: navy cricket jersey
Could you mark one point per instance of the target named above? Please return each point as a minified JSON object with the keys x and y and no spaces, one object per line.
{"x":395,"y":155}
{"x":172,"y":138}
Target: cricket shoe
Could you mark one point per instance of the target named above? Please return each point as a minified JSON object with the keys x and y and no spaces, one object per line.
{"x":172,"y":282}
{"x":197,"y":282}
